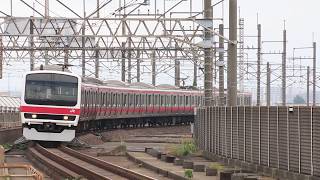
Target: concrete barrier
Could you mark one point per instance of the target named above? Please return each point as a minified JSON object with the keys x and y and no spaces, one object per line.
{"x":10,"y":135}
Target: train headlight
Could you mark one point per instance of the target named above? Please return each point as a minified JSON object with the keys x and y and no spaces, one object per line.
{"x":34,"y":116}
{"x":65,"y":117}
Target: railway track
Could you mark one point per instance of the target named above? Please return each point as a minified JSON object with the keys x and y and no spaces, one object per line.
{"x":69,"y":163}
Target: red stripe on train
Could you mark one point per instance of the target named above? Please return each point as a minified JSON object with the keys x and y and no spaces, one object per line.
{"x":50,"y":110}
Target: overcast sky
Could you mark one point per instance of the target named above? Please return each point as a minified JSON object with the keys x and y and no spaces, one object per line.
{"x":301,"y":20}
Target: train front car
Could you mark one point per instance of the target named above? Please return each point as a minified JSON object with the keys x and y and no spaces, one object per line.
{"x":50,"y":105}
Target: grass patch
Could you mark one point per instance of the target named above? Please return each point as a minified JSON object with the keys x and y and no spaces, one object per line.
{"x":7,"y":146}
{"x":185,"y":148}
{"x":217,"y":166}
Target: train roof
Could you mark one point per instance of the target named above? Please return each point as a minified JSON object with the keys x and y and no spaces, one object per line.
{"x":114,"y":83}
{"x":91,"y":80}
{"x":53,"y":67}
{"x":167,"y":86}
{"x":141,"y":85}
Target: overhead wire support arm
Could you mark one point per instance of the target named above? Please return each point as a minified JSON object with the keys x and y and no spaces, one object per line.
{"x":32,"y":8}
{"x":98,"y":9}
{"x":5,"y":14}
{"x":67,"y":8}
{"x":214,"y":32}
{"x":171,"y":8}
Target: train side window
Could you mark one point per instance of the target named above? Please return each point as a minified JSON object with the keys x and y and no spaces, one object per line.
{"x":187,"y":100}
{"x":124,"y":99}
{"x":161,"y":100}
{"x":167,"y":100}
{"x":111,"y":99}
{"x":114,"y":99}
{"x":192,"y":100}
{"x":174,"y":100}
{"x":144,"y":99}
{"x":149,"y":99}
{"x":106,"y":98}
{"x":137,"y":99}
{"x":130,"y":100}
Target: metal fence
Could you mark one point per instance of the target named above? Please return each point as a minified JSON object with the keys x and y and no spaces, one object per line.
{"x":277,"y":137}
{"x":9,"y":117}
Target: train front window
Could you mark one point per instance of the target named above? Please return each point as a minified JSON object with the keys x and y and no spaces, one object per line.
{"x":51,"y":89}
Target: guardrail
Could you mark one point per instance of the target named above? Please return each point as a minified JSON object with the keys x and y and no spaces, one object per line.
{"x":9,"y":117}
{"x":284,"y":138}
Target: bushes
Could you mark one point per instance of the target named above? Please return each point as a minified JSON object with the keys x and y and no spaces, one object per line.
{"x":188,"y":173}
{"x":186,"y":148}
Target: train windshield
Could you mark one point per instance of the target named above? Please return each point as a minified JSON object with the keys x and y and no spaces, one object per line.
{"x":51,"y":89}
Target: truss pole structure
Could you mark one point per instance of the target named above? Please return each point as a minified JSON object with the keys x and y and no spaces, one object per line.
{"x":32,"y":42}
{"x":259,"y":66}
{"x":314,"y":45}
{"x":208,"y":55}
{"x":284,"y":65}
{"x":222,"y":100}
{"x":232,"y":55}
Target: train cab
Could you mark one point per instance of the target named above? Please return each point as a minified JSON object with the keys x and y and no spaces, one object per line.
{"x":50,"y":105}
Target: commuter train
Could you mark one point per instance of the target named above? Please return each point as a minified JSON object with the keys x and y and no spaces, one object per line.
{"x":54,"y":104}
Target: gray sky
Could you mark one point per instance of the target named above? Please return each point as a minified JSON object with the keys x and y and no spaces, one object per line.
{"x":301,"y":21}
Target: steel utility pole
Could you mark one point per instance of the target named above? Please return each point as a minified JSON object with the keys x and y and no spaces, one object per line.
{"x":138,"y":65}
{"x":176,"y":67}
{"x":123,"y":62}
{"x":314,"y":72}
{"x":97,"y":62}
{"x":83,"y":42}
{"x":268,"y":84}
{"x":65,"y":58}
{"x":31,"y":45}
{"x":129,"y":61}
{"x":46,"y":8}
{"x":232,"y":54}
{"x":284,"y":65}
{"x":221,"y":66}
{"x":195,"y":69}
{"x":123,"y":52}
{"x":46,"y":15}
{"x":153,"y":67}
{"x":1,"y":57}
{"x":208,"y":54}
{"x":98,"y":11}
{"x":308,"y":82}
{"x":258,"y":65}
